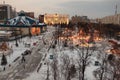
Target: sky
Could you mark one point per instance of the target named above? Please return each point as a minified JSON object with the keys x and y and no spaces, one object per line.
{"x":90,"y":8}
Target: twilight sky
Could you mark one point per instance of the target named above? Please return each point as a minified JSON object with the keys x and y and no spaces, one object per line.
{"x":91,"y":8}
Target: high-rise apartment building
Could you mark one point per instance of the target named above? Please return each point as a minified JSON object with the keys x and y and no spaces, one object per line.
{"x":6,"y":12}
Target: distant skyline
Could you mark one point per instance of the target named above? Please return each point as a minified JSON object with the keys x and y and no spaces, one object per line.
{"x":90,"y":8}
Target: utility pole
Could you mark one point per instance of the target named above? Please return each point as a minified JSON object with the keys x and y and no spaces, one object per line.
{"x":117,"y":20}
{"x":116,"y":9}
{"x":3,"y":2}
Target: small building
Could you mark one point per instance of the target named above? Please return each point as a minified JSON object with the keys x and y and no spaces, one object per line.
{"x":29,"y":14}
{"x":77,"y":19}
{"x":4,"y":35}
{"x":24,"y":25}
{"x":41,"y":18}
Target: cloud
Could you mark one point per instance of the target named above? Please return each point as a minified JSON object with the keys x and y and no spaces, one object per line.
{"x":93,"y":8}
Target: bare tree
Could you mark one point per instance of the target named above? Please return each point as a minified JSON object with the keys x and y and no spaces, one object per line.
{"x":84,"y":54}
{"x":65,"y":67}
{"x":48,"y":71}
{"x":109,"y":69}
{"x":102,"y":73}
{"x":115,"y":68}
{"x":54,"y":67}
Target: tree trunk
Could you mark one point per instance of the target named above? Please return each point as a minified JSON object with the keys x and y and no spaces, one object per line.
{"x":83,"y":70}
{"x":79,"y":75}
{"x":101,"y":75}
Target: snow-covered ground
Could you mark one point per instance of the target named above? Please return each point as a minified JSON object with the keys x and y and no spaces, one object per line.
{"x":73,"y":55}
{"x":17,"y":51}
{"x":41,"y":74}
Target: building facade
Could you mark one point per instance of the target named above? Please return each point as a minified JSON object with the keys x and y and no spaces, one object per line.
{"x":6,"y":12}
{"x":52,"y":19}
{"x":76,"y":19}
{"x":41,"y":18}
{"x":113,"y":19}
{"x":30,"y":14}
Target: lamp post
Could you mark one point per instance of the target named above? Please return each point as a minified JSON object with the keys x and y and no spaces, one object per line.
{"x":21,"y":34}
{"x":16,"y":39}
{"x":16,"y":42}
{"x":30,"y":31}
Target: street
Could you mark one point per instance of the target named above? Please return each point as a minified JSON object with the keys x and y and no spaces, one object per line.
{"x":21,"y":70}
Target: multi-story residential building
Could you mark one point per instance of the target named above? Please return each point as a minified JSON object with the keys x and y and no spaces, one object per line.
{"x":30,"y":14}
{"x":56,"y":19}
{"x":113,"y":19}
{"x":6,"y":12}
{"x":41,"y":18}
{"x":75,"y":19}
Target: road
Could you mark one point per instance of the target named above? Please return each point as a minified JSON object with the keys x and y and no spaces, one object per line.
{"x":21,"y":70}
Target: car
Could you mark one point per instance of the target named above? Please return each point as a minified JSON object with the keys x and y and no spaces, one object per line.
{"x":27,"y":45}
{"x":27,"y":52}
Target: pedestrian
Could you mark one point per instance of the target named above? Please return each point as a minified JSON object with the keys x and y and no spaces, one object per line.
{"x":9,"y":65}
{"x":24,"y":66}
{"x":23,"y":59}
{"x":4,"y":69}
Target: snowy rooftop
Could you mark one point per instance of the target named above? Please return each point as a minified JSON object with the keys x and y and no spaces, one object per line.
{"x":22,"y":20}
{"x":5,"y":32}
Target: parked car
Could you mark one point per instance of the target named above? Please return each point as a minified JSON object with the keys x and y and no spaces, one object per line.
{"x":27,"y":52}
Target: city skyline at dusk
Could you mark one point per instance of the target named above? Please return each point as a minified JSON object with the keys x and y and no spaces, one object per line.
{"x":90,"y":8}
{"x":59,"y":39}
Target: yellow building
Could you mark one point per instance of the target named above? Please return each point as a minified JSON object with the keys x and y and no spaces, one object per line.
{"x":52,"y":19}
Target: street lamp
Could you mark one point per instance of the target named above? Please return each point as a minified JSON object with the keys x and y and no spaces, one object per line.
{"x":30,"y":32}
{"x":16,"y":39}
{"x":16,"y":43}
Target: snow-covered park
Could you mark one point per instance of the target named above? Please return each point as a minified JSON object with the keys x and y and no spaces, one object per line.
{"x":62,"y":62}
{"x":60,"y":55}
